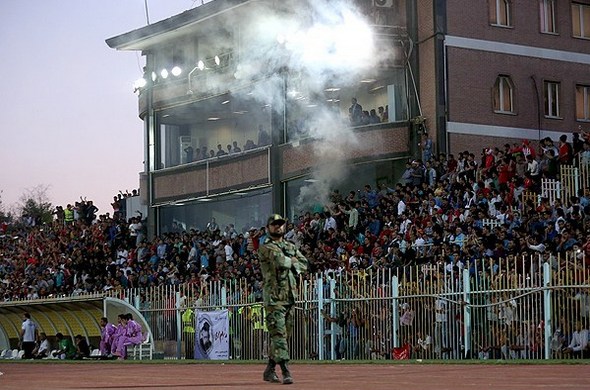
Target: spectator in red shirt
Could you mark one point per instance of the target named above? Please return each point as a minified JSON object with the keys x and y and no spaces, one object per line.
{"x":489,"y":159}
{"x":528,"y":150}
{"x":516,"y":150}
{"x":565,"y":150}
{"x":504,"y":171}
{"x":451,"y":164}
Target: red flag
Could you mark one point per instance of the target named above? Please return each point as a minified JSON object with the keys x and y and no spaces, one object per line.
{"x":401,"y":353}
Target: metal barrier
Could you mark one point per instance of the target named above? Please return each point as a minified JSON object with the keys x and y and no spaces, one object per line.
{"x":570,"y":179}
{"x":514,"y":308}
{"x":562,"y":189}
{"x":529,"y":197}
{"x":584,"y":166}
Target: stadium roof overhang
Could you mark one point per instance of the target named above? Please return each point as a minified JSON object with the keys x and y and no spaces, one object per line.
{"x":175,"y":26}
{"x":69,"y":316}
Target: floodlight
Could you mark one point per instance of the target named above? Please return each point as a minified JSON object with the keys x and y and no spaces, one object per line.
{"x":139,"y":83}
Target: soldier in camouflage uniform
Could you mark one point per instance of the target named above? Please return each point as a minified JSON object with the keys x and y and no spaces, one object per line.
{"x":280,"y":262}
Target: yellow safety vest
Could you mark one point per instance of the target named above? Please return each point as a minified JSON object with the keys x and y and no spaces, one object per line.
{"x":187,"y":321}
{"x":257,"y":316}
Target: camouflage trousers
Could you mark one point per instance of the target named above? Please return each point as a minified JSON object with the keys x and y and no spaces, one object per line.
{"x":279,"y":322}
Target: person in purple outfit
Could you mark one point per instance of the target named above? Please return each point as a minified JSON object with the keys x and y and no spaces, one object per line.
{"x":107,"y":332}
{"x":132,"y":336}
{"x":119,"y":333}
{"x":134,"y":331}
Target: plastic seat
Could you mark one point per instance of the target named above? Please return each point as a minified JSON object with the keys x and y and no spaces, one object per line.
{"x":143,"y":350}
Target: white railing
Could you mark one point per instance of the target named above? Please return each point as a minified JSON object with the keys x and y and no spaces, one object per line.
{"x":514,"y":308}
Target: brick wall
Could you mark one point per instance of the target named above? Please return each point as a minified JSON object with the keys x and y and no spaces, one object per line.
{"x":475,"y":143}
{"x":224,"y":175}
{"x":469,"y":18}
{"x":427,"y":76}
{"x":370,"y":144}
{"x":472,"y":74}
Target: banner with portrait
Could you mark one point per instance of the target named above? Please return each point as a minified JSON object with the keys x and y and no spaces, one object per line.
{"x":212,"y":335}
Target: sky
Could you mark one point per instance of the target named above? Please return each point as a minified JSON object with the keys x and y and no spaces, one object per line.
{"x":69,"y":117}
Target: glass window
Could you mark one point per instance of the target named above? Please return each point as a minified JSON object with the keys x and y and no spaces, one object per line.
{"x":218,"y":126}
{"x":581,"y":20}
{"x":380,"y":98}
{"x":547,"y":16}
{"x":243,"y":211}
{"x":552,"y":99}
{"x":583,"y":102}
{"x":503,"y":96}
{"x":500,"y":13}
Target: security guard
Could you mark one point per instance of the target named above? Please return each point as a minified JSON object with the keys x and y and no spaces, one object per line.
{"x":260,"y":330}
{"x":69,"y":215}
{"x":188,"y":332}
{"x":281,"y":263}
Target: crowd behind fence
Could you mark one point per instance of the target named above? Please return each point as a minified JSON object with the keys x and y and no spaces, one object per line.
{"x":445,"y":268}
{"x":524,"y":308}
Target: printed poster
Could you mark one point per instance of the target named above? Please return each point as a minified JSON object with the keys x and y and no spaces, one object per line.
{"x":212,"y":335}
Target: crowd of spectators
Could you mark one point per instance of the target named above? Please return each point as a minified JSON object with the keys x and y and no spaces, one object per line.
{"x":360,"y":117}
{"x":444,"y":211}
{"x":192,"y":155}
{"x":437,"y":210}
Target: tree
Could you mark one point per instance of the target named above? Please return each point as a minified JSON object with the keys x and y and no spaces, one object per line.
{"x":35,"y":204}
{"x":5,"y":216}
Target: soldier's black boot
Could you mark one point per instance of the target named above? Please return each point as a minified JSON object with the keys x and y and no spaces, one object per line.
{"x":287,"y":378}
{"x":269,"y":373}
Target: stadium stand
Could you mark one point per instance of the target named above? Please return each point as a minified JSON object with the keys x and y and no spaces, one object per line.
{"x":490,"y":212}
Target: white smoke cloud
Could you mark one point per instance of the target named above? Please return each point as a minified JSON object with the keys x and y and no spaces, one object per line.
{"x":325,"y":39}
{"x":326,"y":43}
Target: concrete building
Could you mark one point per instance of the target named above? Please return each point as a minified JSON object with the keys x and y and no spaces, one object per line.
{"x":277,"y":79}
{"x":500,"y":71}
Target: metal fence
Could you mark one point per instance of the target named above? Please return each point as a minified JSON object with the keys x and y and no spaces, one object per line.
{"x":584,"y":165}
{"x":514,"y":308}
{"x":572,"y":178}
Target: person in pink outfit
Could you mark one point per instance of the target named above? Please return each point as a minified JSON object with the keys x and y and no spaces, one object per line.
{"x":119,"y":333}
{"x":132,"y":336}
{"x":134,"y":331}
{"x":107,"y":331}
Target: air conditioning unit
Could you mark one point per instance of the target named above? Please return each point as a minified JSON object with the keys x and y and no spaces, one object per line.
{"x":383,"y":3}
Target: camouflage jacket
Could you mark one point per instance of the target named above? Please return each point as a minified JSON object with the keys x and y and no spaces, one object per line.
{"x":280,"y":262}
